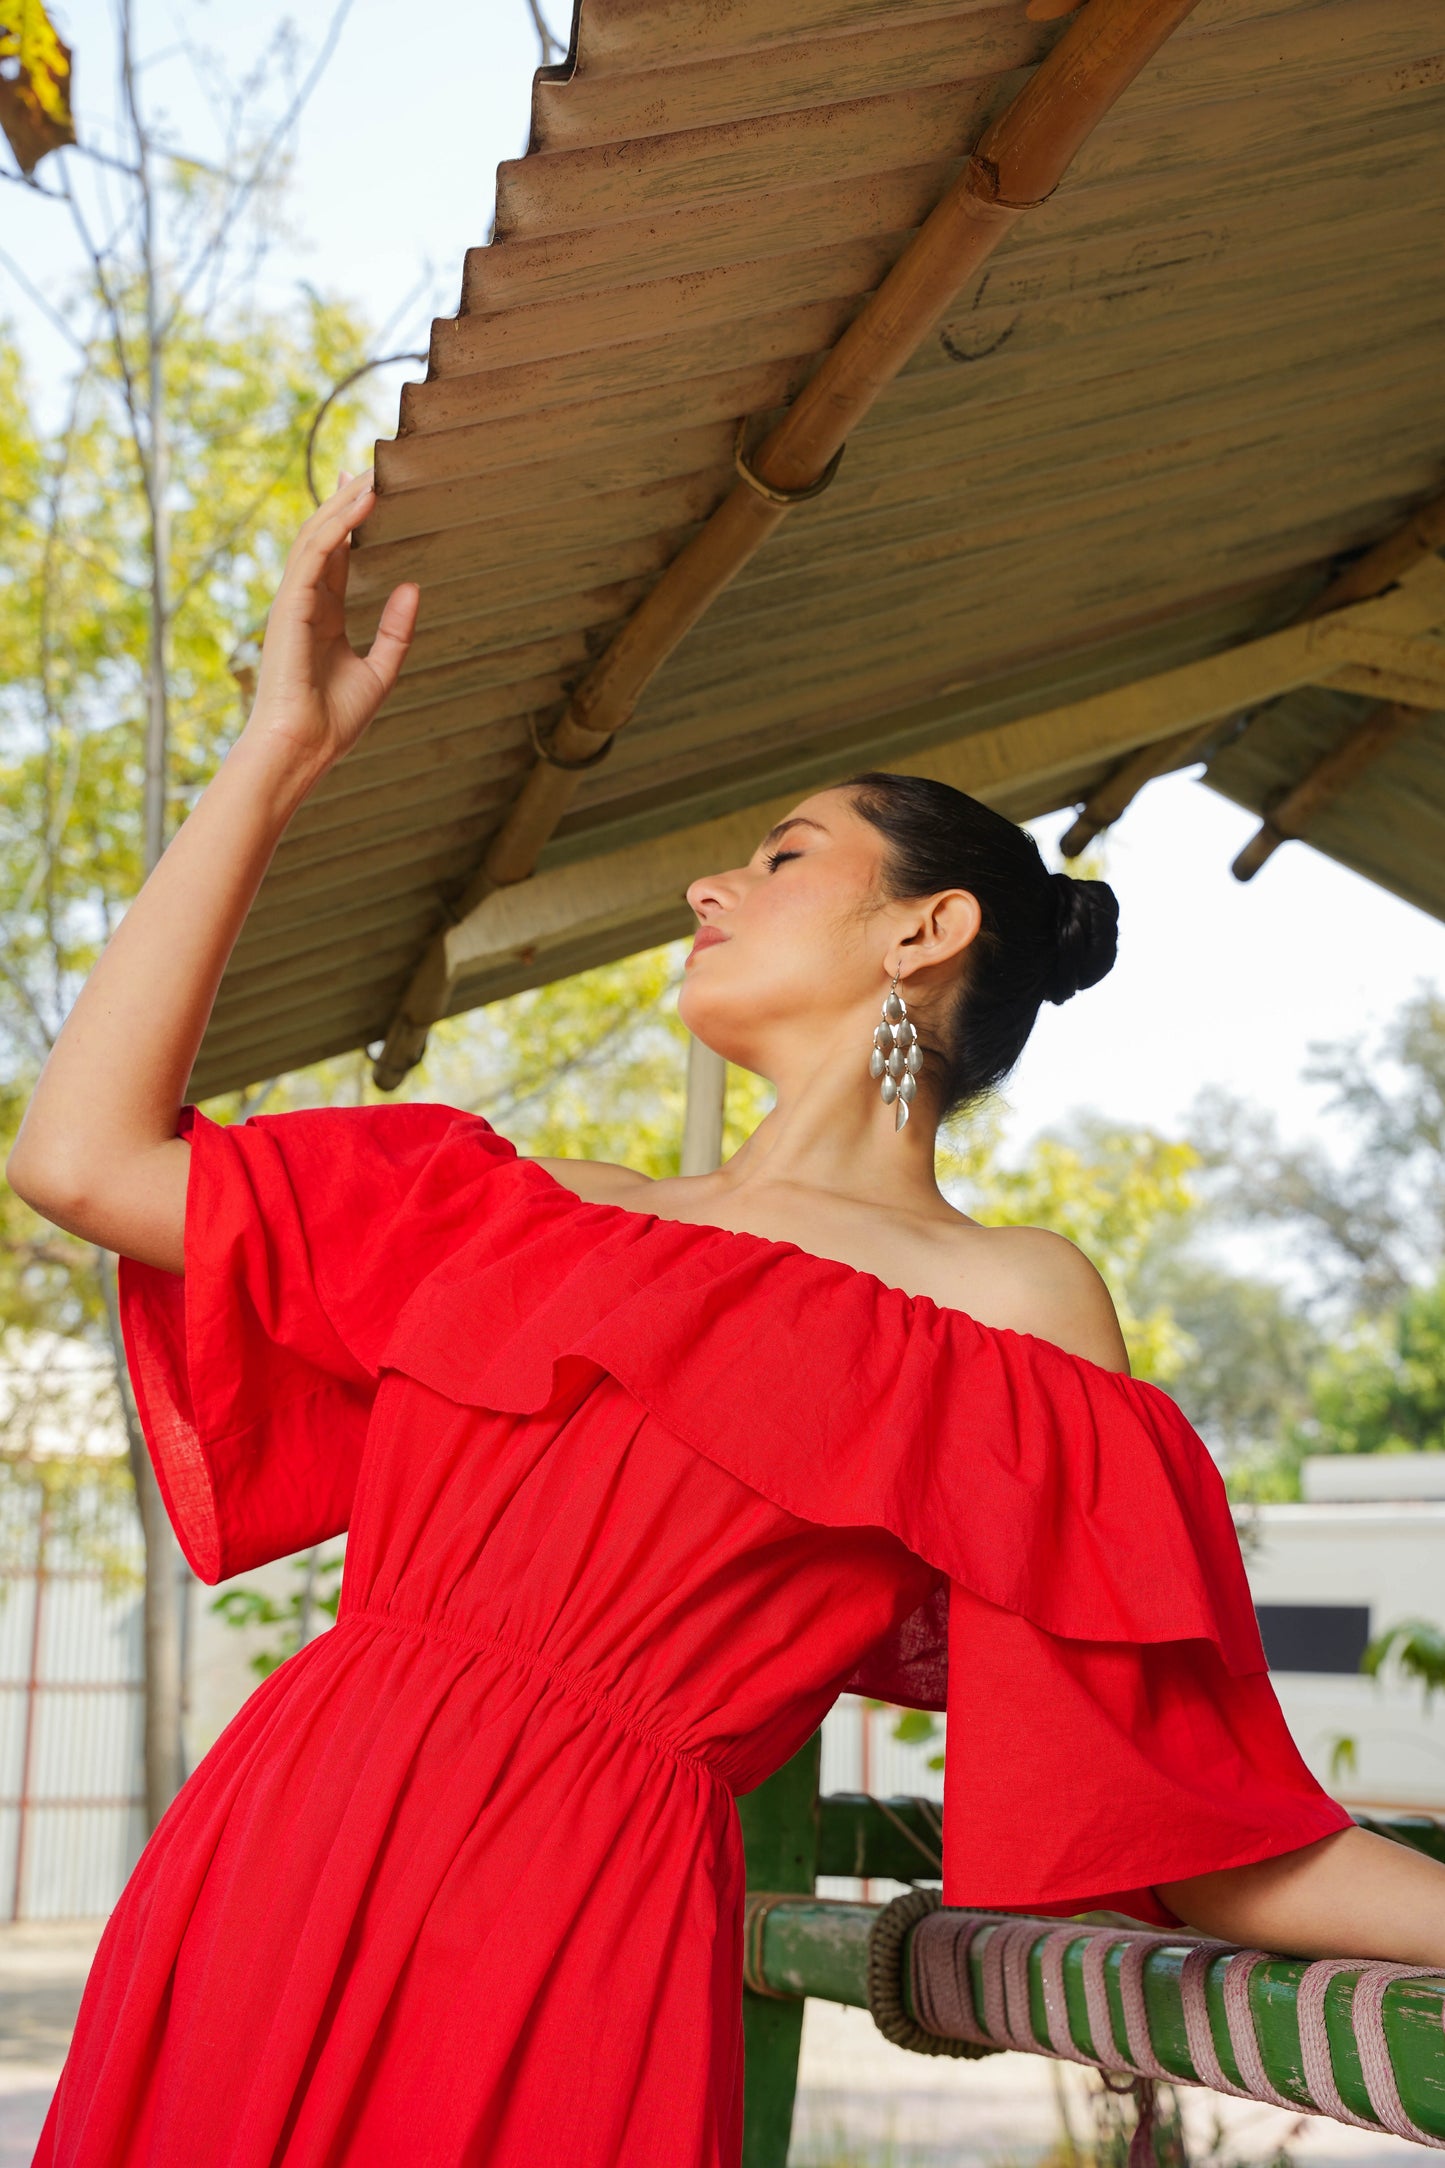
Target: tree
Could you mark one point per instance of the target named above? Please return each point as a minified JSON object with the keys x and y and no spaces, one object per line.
{"x":77,"y":821}
{"x":159,"y":499}
{"x":1383,"y":1389}
{"x":1354,"y":1345}
{"x":1115,"y":1192}
{"x":1367,"y":1225}
{"x":1249,"y":1347}
{"x":142,"y":536}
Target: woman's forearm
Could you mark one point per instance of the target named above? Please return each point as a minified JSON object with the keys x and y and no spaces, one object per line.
{"x":97,"y":1152}
{"x":1350,"y":1895}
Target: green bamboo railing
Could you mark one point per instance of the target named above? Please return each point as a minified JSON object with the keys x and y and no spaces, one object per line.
{"x":819,"y":1946}
{"x":822,"y":1949}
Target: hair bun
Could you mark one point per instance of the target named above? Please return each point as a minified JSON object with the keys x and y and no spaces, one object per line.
{"x":1087,"y":932}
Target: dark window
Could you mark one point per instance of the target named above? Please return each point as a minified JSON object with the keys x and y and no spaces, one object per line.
{"x":1314,"y":1636}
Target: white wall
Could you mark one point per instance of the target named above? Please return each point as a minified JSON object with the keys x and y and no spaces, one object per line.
{"x":1390,"y":1556}
{"x":219,"y":1669}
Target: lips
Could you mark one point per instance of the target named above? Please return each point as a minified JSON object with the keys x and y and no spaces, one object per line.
{"x":705,"y":937}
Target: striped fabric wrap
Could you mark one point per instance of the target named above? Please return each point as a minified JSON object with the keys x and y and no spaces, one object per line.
{"x":944,"y":1943}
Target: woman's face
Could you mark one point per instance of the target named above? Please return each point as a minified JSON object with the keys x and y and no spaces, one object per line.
{"x":795,"y":948}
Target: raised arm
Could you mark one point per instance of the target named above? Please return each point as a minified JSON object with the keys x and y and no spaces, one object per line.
{"x":97,"y":1152}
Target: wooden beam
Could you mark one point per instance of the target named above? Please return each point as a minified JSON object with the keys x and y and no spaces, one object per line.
{"x":1393,"y":666}
{"x":1017,"y":164}
{"x":618,"y":887}
{"x":1383,"y":727}
{"x":1413,"y":543}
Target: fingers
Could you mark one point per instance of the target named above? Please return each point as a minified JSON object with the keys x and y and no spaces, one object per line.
{"x":331,"y":525}
{"x":337,"y":566}
{"x":387,"y":652}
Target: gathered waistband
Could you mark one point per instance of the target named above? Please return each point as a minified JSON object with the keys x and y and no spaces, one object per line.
{"x":578,"y":1686}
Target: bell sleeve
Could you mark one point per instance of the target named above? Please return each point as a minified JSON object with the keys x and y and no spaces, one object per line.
{"x":254,"y":1370}
{"x":1080,"y":1775}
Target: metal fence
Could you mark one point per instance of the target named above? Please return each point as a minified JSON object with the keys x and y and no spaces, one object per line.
{"x":71,"y":1803}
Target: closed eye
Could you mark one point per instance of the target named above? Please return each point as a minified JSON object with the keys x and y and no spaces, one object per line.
{"x":774,"y":859}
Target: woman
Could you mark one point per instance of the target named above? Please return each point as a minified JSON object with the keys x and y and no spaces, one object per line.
{"x":637,"y":1475}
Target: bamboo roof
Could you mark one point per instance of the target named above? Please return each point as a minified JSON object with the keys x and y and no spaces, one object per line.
{"x":1144,"y":433}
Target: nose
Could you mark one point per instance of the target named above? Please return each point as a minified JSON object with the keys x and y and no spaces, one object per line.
{"x":712,"y":893}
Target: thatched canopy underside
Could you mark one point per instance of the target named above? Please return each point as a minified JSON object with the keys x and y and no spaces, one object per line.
{"x":1209,"y":366}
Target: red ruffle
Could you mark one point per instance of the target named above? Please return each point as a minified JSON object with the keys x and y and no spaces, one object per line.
{"x":1073,"y":1497}
{"x":1079,"y":1499}
{"x":1090,"y":1587}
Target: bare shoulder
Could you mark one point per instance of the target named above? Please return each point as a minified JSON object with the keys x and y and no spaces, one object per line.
{"x":600,"y":1181}
{"x":1041,"y":1283}
{"x":1019,"y":1279}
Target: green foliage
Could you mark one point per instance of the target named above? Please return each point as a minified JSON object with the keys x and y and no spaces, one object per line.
{"x":1112,"y":1191}
{"x":84,"y":1501}
{"x":1358,"y":1342}
{"x":913,"y":1727}
{"x":1412,"y":1649}
{"x":1344,"y":1757}
{"x":589,"y":1067}
{"x":1250,"y":1352}
{"x":1368,"y":1224}
{"x":318,"y":1591}
{"x":1382,"y":1390}
{"x":75,"y":616}
{"x":74,"y":624}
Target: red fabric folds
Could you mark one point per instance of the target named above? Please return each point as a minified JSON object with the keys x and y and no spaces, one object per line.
{"x":1078,"y":1499}
{"x":1081,"y":1500}
{"x":628,"y":1502}
{"x":1074,"y":1520}
{"x":255,"y":1373}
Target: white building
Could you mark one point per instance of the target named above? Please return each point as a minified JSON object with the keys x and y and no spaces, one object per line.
{"x":1365,"y":1551}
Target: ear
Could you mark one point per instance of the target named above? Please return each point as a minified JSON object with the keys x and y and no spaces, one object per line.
{"x":945,"y":926}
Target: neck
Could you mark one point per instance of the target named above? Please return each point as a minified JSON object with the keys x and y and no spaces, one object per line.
{"x":829,"y":1131}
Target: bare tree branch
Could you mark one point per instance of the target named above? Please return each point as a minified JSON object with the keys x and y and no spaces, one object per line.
{"x":16,"y":981}
{"x":57,"y":804}
{"x":28,"y":180}
{"x":247,"y":186}
{"x":156,"y":464}
{"x":546,"y":37}
{"x":32,"y":292}
{"x":116,"y":321}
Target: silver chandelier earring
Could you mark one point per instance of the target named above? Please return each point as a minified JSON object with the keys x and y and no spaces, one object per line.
{"x":897,"y":1056}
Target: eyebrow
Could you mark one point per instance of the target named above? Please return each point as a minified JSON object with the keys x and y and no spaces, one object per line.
{"x":796,"y":820}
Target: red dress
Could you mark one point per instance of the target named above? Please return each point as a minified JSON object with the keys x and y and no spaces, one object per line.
{"x":629,"y":1502}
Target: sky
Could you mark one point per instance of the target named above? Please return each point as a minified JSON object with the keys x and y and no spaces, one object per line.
{"x":1216,"y":982}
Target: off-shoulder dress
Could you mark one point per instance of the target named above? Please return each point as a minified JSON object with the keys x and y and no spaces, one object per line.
{"x":629,"y":1501}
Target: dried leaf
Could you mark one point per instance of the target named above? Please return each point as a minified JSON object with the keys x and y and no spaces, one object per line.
{"x":35,"y":77}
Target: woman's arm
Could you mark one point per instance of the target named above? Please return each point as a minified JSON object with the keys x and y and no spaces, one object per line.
{"x":1352,"y":1894}
{"x":97,"y":1152}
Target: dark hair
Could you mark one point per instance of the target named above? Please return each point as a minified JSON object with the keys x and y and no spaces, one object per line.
{"x":1044,"y":935}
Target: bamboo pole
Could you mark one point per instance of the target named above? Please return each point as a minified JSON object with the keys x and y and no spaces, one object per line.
{"x":1420,"y":536}
{"x":702,"y":1129}
{"x":1377,"y":2064}
{"x":1383,"y":727}
{"x":1018,"y":162}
